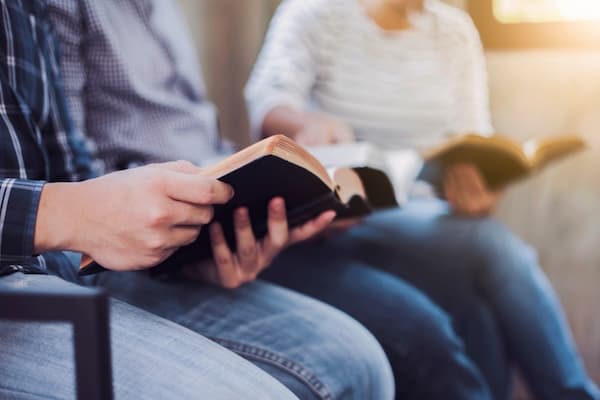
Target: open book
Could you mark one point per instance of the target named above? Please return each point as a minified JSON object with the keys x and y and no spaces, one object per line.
{"x":401,"y":166}
{"x":278,"y":167}
{"x":500,"y":159}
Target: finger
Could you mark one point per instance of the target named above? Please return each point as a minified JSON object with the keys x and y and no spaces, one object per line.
{"x":196,"y":189}
{"x":226,"y":269}
{"x":476,"y":180}
{"x":453,"y":191}
{"x":278,"y":235}
{"x":449,"y":190}
{"x":480,"y":198}
{"x":464,"y":194}
{"x":313,"y":227}
{"x":463,"y":181}
{"x":247,"y":247}
{"x":186,"y":214}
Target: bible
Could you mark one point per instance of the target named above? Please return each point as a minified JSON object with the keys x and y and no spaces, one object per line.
{"x":500,"y":160}
{"x":278,"y":167}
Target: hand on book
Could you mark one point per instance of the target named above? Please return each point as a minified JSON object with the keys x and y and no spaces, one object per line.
{"x":466,"y":191}
{"x":130,"y":219}
{"x":322,"y":129}
{"x":231,"y":270}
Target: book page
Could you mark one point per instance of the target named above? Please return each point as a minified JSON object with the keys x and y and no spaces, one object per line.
{"x":403,"y":167}
{"x":356,"y":154}
{"x":542,"y":151}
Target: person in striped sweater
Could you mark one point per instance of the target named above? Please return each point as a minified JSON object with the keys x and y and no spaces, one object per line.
{"x":409,"y":74}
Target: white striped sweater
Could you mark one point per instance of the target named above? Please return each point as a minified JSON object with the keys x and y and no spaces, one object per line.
{"x":408,"y":88}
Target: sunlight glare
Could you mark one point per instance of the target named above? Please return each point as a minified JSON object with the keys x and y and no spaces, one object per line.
{"x":511,"y":11}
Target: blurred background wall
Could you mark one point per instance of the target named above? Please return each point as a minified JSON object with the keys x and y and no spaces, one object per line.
{"x":533,"y":93}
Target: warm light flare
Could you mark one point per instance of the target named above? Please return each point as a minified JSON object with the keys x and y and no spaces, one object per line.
{"x":512,"y":11}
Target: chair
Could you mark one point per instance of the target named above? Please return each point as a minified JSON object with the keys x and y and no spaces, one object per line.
{"x":87,"y":310}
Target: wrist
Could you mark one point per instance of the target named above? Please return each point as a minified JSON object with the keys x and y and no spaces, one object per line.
{"x":58,"y":223}
{"x":285,"y":120}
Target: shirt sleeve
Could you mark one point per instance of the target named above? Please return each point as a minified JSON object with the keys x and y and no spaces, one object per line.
{"x":472,"y":95}
{"x":19,"y":196}
{"x":19,"y":201}
{"x":286,"y":68}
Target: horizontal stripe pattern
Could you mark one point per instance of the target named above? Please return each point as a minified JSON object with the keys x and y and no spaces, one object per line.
{"x":408,"y":88}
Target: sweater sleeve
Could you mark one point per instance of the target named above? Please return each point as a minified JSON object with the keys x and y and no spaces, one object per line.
{"x":286,"y":68}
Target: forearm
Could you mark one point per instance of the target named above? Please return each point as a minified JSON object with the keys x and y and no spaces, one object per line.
{"x":283,"y":120}
{"x":307,"y":128}
{"x":60,"y":218}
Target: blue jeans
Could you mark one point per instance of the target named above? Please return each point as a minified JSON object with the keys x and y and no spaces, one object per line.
{"x":313,"y":349}
{"x":152,"y":358}
{"x":482,"y":275}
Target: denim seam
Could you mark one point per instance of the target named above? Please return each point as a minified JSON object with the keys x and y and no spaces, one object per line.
{"x":274,"y":359}
{"x":17,"y":391}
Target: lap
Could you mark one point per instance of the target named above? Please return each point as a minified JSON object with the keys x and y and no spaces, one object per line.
{"x":298,"y":339}
{"x":379,"y":300}
{"x":152,"y":358}
{"x":443,"y":254}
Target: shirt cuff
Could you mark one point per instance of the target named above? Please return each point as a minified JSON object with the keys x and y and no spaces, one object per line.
{"x":19,"y":202}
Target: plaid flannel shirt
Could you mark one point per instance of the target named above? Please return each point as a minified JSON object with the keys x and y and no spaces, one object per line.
{"x":38,"y":143}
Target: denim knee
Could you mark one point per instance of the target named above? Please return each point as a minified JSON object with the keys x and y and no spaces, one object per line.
{"x":348,"y":359}
{"x":497,"y":248}
{"x":433,"y":363}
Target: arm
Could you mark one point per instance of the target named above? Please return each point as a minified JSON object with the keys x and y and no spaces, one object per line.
{"x":131,"y":219}
{"x":307,"y":128}
{"x":285,"y":72}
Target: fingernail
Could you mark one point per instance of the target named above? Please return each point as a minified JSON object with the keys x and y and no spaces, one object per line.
{"x":278,"y":204}
{"x":242,"y":212}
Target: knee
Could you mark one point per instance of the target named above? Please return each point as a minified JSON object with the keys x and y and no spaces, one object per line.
{"x":347,"y":361}
{"x":496,"y":246}
{"x":431,"y":337}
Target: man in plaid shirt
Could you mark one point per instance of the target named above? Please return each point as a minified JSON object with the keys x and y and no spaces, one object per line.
{"x":50,"y":202}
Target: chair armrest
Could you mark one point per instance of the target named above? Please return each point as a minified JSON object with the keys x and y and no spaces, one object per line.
{"x":87,"y":310}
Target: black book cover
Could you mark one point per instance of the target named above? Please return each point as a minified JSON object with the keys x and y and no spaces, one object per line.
{"x":255,"y":184}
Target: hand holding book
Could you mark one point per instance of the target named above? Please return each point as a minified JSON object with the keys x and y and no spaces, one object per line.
{"x":274,"y":168}
{"x":466,"y":191}
{"x":231,"y":270}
